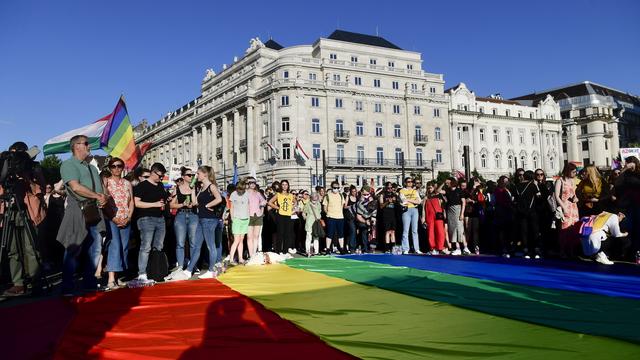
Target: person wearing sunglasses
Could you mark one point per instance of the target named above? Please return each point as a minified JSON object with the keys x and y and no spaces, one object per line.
{"x":150,"y":198}
{"x":334,"y":204}
{"x":121,"y":192}
{"x":257,"y":203}
{"x":83,"y":185}
{"x":186,"y":220}
{"x":410,"y":199}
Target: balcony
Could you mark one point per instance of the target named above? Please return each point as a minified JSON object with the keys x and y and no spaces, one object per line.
{"x":341,"y":136}
{"x":243,"y":145}
{"x":420,"y":140}
{"x":219,"y":153}
{"x":219,"y":132}
{"x":373,"y":163}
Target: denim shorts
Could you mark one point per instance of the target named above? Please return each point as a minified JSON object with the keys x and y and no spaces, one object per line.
{"x":335,"y":228}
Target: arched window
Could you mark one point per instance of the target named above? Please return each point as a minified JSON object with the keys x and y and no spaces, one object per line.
{"x":438,"y":134}
{"x":497,"y":161}
{"x":510,"y":161}
{"x":483,"y":161}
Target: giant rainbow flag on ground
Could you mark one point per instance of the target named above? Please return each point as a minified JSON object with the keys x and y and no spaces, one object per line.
{"x":360,"y":306}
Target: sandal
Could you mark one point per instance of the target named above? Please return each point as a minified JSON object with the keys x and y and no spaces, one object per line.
{"x":111,"y":286}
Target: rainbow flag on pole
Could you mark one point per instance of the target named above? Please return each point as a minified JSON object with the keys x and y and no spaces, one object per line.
{"x":117,"y":138}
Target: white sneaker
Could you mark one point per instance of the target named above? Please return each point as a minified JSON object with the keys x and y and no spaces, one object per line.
{"x":456,"y":252}
{"x":292,"y":251}
{"x":506,"y":255}
{"x":182,"y":275}
{"x":602,"y":258}
{"x":405,"y":253}
{"x":434,"y":252}
{"x":466,"y":251}
{"x":418,"y":252}
{"x":173,"y":273}
{"x":527,"y":257}
{"x":208,"y":275}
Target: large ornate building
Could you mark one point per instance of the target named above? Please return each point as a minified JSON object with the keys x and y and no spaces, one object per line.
{"x":597,"y":120}
{"x":363,"y":101}
{"x":504,"y":134}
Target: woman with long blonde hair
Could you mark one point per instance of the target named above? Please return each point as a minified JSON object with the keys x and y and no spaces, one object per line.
{"x":590,"y":192}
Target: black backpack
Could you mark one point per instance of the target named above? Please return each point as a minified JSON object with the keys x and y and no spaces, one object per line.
{"x":158,"y":265}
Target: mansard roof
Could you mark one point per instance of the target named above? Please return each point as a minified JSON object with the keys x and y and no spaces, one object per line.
{"x":271,"y":44}
{"x":358,"y":38}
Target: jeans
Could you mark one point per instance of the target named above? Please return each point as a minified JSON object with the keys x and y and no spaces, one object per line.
{"x":186,"y":223}
{"x":152,"y":230}
{"x":219,"y":228}
{"x":118,"y":247}
{"x":410,"y":219}
{"x":92,"y":245}
{"x":364,"y":236}
{"x":206,"y":232}
{"x":353,"y":244}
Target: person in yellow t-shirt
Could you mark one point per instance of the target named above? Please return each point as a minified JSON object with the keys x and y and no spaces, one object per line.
{"x":284,"y":203}
{"x":334,"y":203}
{"x":410,"y":199}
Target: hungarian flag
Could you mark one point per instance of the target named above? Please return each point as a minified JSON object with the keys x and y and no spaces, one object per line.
{"x":93,"y":132}
{"x":272,"y":149}
{"x":300,"y":151}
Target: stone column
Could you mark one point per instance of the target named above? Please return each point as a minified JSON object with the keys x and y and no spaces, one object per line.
{"x":205,"y":145}
{"x":251,"y":151}
{"x":214,"y":145}
{"x":573,"y":148}
{"x":614,"y":146}
{"x":236,"y":134}
{"x":225,"y":142}
{"x":194,"y":146}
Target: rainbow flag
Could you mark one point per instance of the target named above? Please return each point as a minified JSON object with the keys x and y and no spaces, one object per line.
{"x":117,"y":138}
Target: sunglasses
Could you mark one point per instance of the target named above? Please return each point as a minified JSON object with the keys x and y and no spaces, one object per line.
{"x":188,"y":175}
{"x":116,"y":166}
{"x":145,"y":176}
{"x":160,"y":174}
{"x":86,"y":143}
{"x":336,"y":188}
{"x":539,"y":174}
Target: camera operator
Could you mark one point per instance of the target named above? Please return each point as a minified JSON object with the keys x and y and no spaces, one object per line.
{"x":22,"y":177}
{"x":77,"y":233}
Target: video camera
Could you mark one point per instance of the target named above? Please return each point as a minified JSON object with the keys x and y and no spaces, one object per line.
{"x":17,"y":163}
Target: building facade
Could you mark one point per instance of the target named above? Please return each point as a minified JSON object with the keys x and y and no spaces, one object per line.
{"x":503,"y":135}
{"x":367,"y":104}
{"x":596,"y":121}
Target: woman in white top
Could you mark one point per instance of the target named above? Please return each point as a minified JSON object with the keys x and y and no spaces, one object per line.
{"x":239,"y":200}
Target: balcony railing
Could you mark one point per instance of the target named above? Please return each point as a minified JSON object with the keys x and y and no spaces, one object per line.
{"x":243,"y":145}
{"x":420,"y":140}
{"x":341,"y":136}
{"x":219,"y":153}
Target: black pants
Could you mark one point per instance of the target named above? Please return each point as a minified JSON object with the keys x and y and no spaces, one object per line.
{"x":528,"y":229}
{"x":285,"y":237}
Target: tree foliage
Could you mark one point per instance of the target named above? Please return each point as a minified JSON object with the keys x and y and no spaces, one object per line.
{"x":51,"y":168}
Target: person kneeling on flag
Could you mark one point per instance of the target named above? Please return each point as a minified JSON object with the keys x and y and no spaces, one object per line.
{"x":595,"y":231}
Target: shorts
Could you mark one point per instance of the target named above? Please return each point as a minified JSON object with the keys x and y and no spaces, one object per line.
{"x":335,"y":228}
{"x":239,"y":226}
{"x":389,"y":219}
{"x":255,"y":221}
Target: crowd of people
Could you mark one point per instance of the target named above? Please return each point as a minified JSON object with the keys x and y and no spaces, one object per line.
{"x":528,"y":215}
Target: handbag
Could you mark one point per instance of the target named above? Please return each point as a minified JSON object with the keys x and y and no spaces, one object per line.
{"x":90,"y":211}
{"x":439,"y":214}
{"x":110,"y":209}
{"x":317,"y":229}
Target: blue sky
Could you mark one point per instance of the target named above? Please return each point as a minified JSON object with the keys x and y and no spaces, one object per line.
{"x":63,"y":63}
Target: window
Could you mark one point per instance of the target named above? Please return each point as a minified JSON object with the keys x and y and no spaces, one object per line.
{"x":285,"y":74}
{"x":496,"y":135}
{"x":583,"y":129}
{"x":315,"y":102}
{"x":340,"y":154}
{"x":409,"y":66}
{"x":354,"y":59}
{"x":604,"y":127}
{"x":379,"y":130}
{"x":585,"y":147}
{"x":436,"y":112}
{"x":564,"y":147}
{"x":416,"y":110}
{"x":533,"y":139}
{"x":510,"y":161}
{"x":333,"y":56}
{"x":438,"y":134}
{"x":481,"y":109}
{"x":284,"y":124}
{"x":359,"y":106}
{"x":432,"y":90}
{"x":315,"y":126}
{"x":521,"y":135}
{"x":509,"y":139}
{"x":583,"y":113}
{"x":338,"y":103}
{"x":483,"y":161}
{"x":494,"y":111}
{"x":586,"y":161}
{"x":553,"y":139}
{"x":535,"y":162}
{"x":339,"y":127}
{"x":312,"y":76}
{"x":395,"y":85}
{"x":497,"y":161}
{"x":414,"y":86}
{"x":357,"y":80}
{"x":396,"y":130}
{"x":373,"y":61}
{"x":391,"y":64}
{"x":286,"y":151}
{"x":439,"y":156}
{"x":519,"y":113}
{"x":336,"y":77}
{"x":265,"y":129}
{"x":546,"y":137}
{"x":399,"y":156}
{"x":606,"y":145}
{"x":507,"y":112}
{"x":481,"y":134}
{"x":284,"y":100}
{"x":530,"y":115}
{"x":459,"y":133}
{"x":380,"y":155}
{"x":376,"y":82}
{"x":359,"y":128}
{"x":418,"y":131}
{"x":523,"y":161}
{"x":419,"y":157}
{"x":360,"y":155}
{"x":316,"y":151}
{"x":396,"y":109}
{"x":377,"y":107}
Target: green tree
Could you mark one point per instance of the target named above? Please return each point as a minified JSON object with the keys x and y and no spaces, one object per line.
{"x":442,"y":176}
{"x":476,"y":174}
{"x":51,"y":168}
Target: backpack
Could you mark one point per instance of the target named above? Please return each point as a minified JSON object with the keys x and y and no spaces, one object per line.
{"x":586,"y":226}
{"x":522,"y":207}
{"x":158,"y":265}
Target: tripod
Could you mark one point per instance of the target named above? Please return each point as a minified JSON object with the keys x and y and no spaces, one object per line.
{"x":15,"y":225}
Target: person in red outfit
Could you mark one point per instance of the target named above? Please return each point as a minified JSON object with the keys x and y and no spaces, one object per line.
{"x":433,"y":218}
